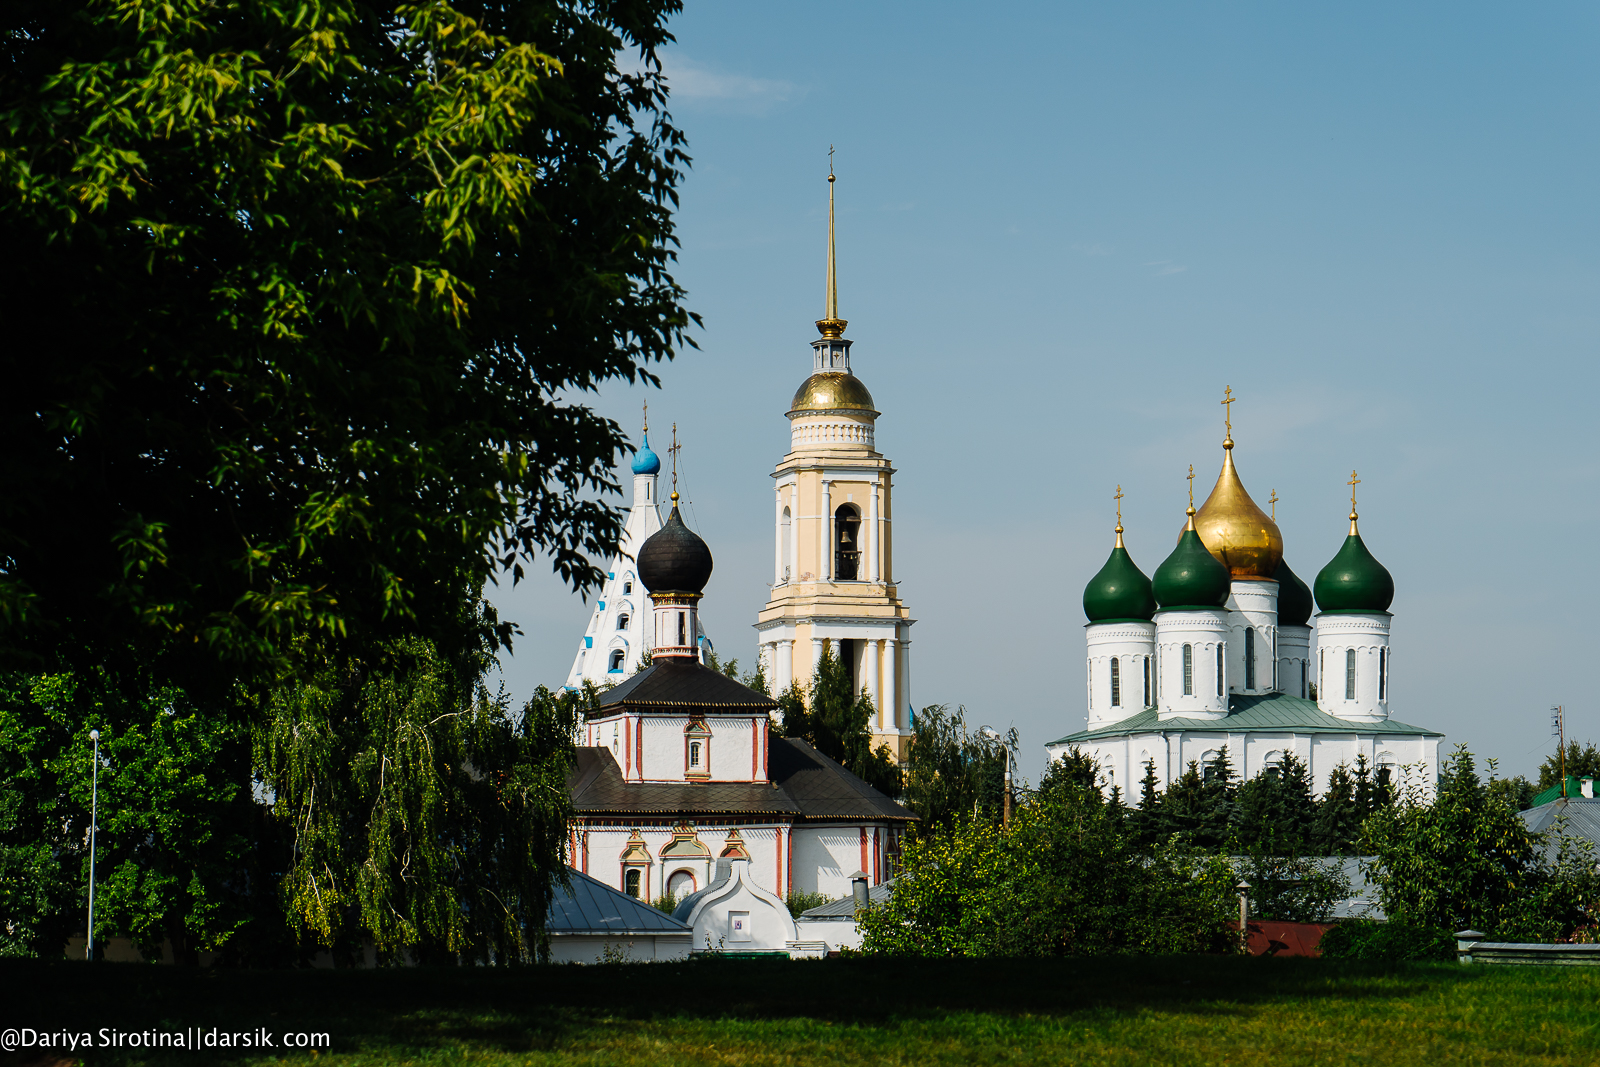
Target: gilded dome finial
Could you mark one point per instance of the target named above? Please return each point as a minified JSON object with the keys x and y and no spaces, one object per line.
{"x":673,"y":452}
{"x":1352,"y":483}
{"x":1227,"y":417}
{"x":1118,"y":499}
{"x":1190,"y":512}
{"x":1230,"y":524}
{"x":1273,"y":500}
{"x":831,"y":325}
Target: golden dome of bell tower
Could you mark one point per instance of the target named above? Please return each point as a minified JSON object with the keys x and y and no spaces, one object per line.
{"x":1242,"y":536}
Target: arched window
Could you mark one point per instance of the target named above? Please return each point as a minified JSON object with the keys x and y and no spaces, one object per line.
{"x":847,"y":553}
{"x":616,"y":659}
{"x":1219,"y":669}
{"x":1303,"y":691}
{"x":1250,"y":657}
{"x":1188,"y":670}
{"x":680,"y":885}
{"x":1383,"y":673}
{"x":1349,"y":674}
{"x":627,"y":588}
{"x":1146,"y":682}
{"x":785,"y":545}
{"x":694,"y":755}
{"x":1116,"y":683}
{"x":622,"y":622}
{"x":1273,"y":764}
{"x":630,"y":882}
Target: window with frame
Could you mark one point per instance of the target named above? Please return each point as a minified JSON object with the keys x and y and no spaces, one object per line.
{"x":1250,"y":657}
{"x":696,"y":750}
{"x":631,"y":882}
{"x":616,"y":660}
{"x":1349,"y":674}
{"x":1188,"y":670}
{"x":627,"y":588}
{"x":1146,"y":681}
{"x":622,"y":622}
{"x":1383,"y":673}
{"x":847,"y":553}
{"x":1219,"y":669}
{"x":1116,"y":682}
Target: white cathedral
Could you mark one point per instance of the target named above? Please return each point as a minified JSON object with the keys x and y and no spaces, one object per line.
{"x":1219,"y":651}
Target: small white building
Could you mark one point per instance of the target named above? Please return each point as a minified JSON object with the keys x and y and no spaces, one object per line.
{"x":1219,"y":651}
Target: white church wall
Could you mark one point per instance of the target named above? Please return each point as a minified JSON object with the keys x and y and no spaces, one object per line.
{"x":1132,"y":645}
{"x":636,"y":948}
{"x":1203,"y":632}
{"x":1252,"y":606}
{"x":825,"y":858}
{"x":732,"y":748}
{"x":1296,"y":674}
{"x":1368,"y":637}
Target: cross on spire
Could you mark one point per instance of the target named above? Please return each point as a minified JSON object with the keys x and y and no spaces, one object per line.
{"x":1352,"y":483}
{"x":673,"y":452}
{"x":1227,"y":410}
{"x":1191,"y":488}
{"x":1118,"y":499}
{"x":647,"y":416}
{"x":1273,"y":500}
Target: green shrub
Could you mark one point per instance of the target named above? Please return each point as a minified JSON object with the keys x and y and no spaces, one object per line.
{"x":1364,"y":939}
{"x":800,"y":901}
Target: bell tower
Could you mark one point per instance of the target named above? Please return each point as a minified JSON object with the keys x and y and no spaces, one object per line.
{"x":833,"y":576}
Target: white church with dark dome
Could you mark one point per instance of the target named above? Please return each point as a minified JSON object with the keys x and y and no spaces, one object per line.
{"x":1227,"y":647}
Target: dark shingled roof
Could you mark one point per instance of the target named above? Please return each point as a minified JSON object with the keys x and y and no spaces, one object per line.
{"x":805,"y":785}
{"x":668,"y":684}
{"x":1267,"y":713}
{"x":591,"y":906}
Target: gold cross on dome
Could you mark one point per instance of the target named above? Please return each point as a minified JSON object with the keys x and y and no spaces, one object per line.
{"x":1118,"y":499}
{"x":1273,"y":500}
{"x":647,"y":416}
{"x":1227,"y":411}
{"x":1352,"y":483}
{"x":673,"y":452}
{"x":1191,"y":487}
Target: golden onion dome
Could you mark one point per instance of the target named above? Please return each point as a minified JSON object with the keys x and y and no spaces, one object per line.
{"x":1242,"y":536}
{"x":832,"y":391}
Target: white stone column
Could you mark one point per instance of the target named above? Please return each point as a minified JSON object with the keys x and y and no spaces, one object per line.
{"x":869,"y":664}
{"x":825,"y":564}
{"x":905,"y":692}
{"x":891,"y":671}
{"x":777,"y":539}
{"x":794,"y":532}
{"x":816,"y":657}
{"x":872,"y":532}
{"x":783,"y":672}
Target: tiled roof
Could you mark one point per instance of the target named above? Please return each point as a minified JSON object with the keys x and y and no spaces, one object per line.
{"x":590,"y":905}
{"x":1267,"y":713}
{"x":805,"y":784}
{"x":667,"y":684}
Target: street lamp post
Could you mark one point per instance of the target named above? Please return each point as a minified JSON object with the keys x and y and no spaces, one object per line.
{"x":1005,"y":803}
{"x":1243,"y":889}
{"x":94,"y":817}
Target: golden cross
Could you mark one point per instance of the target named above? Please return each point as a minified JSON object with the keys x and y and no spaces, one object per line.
{"x":1191,"y":486}
{"x":1352,"y":483}
{"x":830,"y":161}
{"x":673,"y":451}
{"x":647,"y":416}
{"x":1227,"y":412}
{"x":1118,"y":499}
{"x":1273,"y":500}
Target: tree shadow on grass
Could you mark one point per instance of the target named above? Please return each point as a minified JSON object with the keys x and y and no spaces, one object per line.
{"x":533,"y":1008}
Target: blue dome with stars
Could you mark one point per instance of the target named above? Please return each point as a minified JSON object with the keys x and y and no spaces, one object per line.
{"x":646,"y":461}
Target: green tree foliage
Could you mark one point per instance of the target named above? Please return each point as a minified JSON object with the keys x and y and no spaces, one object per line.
{"x":1517,"y":791}
{"x":1287,"y":887}
{"x":952,"y":773}
{"x":1063,"y":880}
{"x":837,"y":721}
{"x":1582,"y":761}
{"x":314,"y":278}
{"x":1467,"y":860}
{"x":426,"y":815}
{"x":1275,"y":809}
{"x":176,"y":849}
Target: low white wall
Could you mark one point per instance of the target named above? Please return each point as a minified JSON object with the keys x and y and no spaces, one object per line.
{"x":640,"y":948}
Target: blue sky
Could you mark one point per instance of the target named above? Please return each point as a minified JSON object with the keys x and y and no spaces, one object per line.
{"x":1063,"y":230}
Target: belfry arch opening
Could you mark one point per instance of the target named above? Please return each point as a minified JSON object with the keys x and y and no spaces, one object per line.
{"x":847,"y":546}
{"x":785,"y":545}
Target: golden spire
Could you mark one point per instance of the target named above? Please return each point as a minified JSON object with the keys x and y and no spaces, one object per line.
{"x":1190,"y":512}
{"x":831,"y":325}
{"x":1273,"y":500}
{"x":647,"y":417}
{"x":1118,"y":499}
{"x":1352,"y":483}
{"x":1233,"y":529}
{"x":673,"y":452}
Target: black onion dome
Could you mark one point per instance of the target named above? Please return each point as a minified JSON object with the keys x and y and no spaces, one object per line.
{"x":674,"y":559}
{"x":1294,"y":597}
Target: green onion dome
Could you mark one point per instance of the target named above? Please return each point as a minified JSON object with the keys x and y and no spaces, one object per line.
{"x":1191,"y":577}
{"x":1294,"y":597}
{"x":1353,"y":582}
{"x":1120,"y":592}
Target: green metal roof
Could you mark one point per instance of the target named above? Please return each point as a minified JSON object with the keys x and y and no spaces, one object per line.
{"x":1272,"y":712}
{"x":1574,"y":791}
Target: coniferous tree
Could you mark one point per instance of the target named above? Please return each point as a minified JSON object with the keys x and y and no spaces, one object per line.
{"x":838,"y":724}
{"x":1147,"y":821}
{"x":1338,"y":822}
{"x":1184,"y":803}
{"x":1217,"y":801}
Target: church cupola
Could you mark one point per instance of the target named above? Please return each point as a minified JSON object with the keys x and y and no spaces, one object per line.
{"x":1294,"y":636}
{"x":1354,"y":592}
{"x":1191,"y":629}
{"x":675,"y":565}
{"x":1121,"y":637}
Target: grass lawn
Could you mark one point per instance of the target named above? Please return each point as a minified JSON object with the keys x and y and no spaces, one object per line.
{"x":1184,"y":1010}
